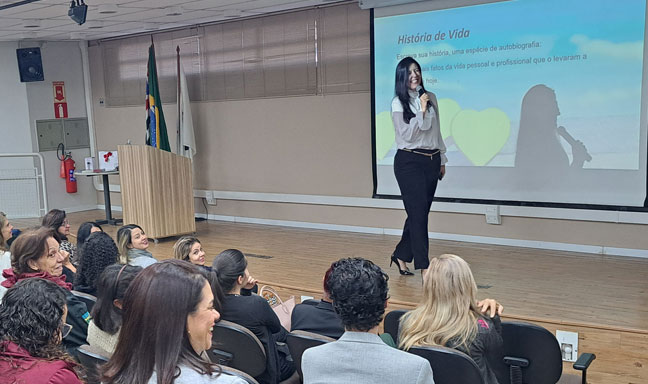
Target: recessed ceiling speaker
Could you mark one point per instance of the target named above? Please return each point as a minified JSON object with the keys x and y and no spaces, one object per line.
{"x":30,"y":64}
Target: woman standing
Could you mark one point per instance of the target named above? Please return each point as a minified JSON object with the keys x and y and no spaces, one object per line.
{"x":419,"y":163}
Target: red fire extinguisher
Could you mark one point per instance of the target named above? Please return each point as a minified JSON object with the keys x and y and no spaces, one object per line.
{"x":70,"y":180}
{"x":68,"y":167}
{"x":60,"y":154}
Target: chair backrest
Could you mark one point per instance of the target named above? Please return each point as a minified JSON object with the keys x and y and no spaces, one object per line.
{"x":240,"y":374}
{"x":392,"y":320}
{"x":91,"y":358}
{"x":88,"y":299}
{"x":299,"y":341}
{"x":236,"y":346}
{"x":449,"y":366}
{"x":531,"y":343}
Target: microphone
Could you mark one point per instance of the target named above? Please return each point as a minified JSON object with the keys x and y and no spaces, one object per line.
{"x":420,"y":90}
{"x":570,"y":139}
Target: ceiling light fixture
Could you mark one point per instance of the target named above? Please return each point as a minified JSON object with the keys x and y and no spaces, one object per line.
{"x":107,"y":9}
{"x":175,"y":10}
{"x":78,"y":11}
{"x":31,"y":23}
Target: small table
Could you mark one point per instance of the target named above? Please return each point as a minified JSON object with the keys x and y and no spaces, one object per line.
{"x":106,"y":190}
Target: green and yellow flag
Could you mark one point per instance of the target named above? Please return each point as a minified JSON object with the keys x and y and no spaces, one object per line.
{"x":156,"y":132}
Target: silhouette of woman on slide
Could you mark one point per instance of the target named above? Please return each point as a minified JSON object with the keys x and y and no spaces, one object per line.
{"x":538,"y":145}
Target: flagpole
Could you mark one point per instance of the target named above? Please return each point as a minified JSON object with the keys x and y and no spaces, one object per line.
{"x":179,"y":117}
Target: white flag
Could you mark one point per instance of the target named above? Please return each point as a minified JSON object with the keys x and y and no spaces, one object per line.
{"x":185,"y":121}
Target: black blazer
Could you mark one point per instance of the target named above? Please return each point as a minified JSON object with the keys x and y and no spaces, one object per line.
{"x":317,"y":317}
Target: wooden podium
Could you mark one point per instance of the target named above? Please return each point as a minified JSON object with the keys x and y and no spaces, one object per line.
{"x":156,"y":190}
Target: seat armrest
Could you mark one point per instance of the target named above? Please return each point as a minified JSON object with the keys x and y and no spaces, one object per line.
{"x":584,"y":361}
{"x":516,"y":361}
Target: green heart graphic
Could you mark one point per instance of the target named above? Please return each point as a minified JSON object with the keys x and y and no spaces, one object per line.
{"x":448,"y":109}
{"x":385,"y":135}
{"x":481,"y":135}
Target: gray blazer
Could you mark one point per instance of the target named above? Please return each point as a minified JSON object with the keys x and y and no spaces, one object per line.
{"x":361,"y":357}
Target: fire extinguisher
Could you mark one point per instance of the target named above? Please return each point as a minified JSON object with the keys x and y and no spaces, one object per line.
{"x":61,"y":149}
{"x":68,"y":168}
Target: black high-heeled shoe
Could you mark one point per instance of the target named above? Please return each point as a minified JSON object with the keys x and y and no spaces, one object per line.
{"x":404,"y":272}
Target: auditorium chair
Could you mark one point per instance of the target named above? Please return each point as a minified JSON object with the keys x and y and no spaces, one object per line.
{"x":88,"y":299}
{"x":449,"y":366}
{"x":236,"y":346}
{"x":91,"y":358}
{"x":240,"y":374}
{"x":391,"y":323}
{"x":299,"y":341}
{"x":531,"y":355}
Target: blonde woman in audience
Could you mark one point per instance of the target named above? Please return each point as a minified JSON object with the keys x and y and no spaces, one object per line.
{"x":5,"y":256}
{"x":168,"y":317}
{"x":32,"y":324}
{"x":449,"y":315}
{"x":189,"y":248}
{"x":133,"y":244}
{"x":103,"y":330}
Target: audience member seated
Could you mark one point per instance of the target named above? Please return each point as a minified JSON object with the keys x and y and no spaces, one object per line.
{"x":36,"y":253}
{"x":32,"y":324}
{"x":254,"y":313}
{"x":318,"y":316}
{"x":167,"y":326}
{"x":56,"y":219}
{"x":359,"y":290}
{"x":103,"y":330}
{"x":5,"y":255}
{"x":84,"y":232}
{"x":450,"y":316}
{"x":98,"y":252}
{"x":133,"y":244}
{"x":189,"y":248}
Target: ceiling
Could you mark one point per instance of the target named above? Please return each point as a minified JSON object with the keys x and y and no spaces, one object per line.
{"x":48,"y":19}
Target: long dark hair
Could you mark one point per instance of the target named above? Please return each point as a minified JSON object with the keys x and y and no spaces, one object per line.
{"x":54,"y":219}
{"x":99,"y":252}
{"x":229,"y":265}
{"x":401,"y":86}
{"x":154,"y":326}
{"x":31,"y":315}
{"x":84,"y":232}
{"x":30,"y":245}
{"x":112,"y":285}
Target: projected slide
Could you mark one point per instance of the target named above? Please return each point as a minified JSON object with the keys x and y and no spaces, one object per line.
{"x":534,"y":95}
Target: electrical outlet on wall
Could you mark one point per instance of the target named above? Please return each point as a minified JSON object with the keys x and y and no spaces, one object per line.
{"x":568,"y":342}
{"x":209,"y":197}
{"x":493,"y":215}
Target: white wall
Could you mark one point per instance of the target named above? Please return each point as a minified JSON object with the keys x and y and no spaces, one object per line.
{"x":24,"y":103}
{"x":15,"y":133}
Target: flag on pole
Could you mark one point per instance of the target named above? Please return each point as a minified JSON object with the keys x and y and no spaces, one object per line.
{"x":185,"y":120}
{"x":156,"y":132}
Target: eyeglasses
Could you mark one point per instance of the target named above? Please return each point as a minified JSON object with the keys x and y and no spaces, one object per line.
{"x":65,"y":330}
{"x":65,"y":223}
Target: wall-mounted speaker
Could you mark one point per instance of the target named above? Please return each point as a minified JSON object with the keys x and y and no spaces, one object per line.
{"x":30,"y":64}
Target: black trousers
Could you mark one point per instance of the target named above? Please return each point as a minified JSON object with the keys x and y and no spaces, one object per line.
{"x":417,"y":176}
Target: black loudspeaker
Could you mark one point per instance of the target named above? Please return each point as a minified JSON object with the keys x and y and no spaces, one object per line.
{"x":30,"y":64}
